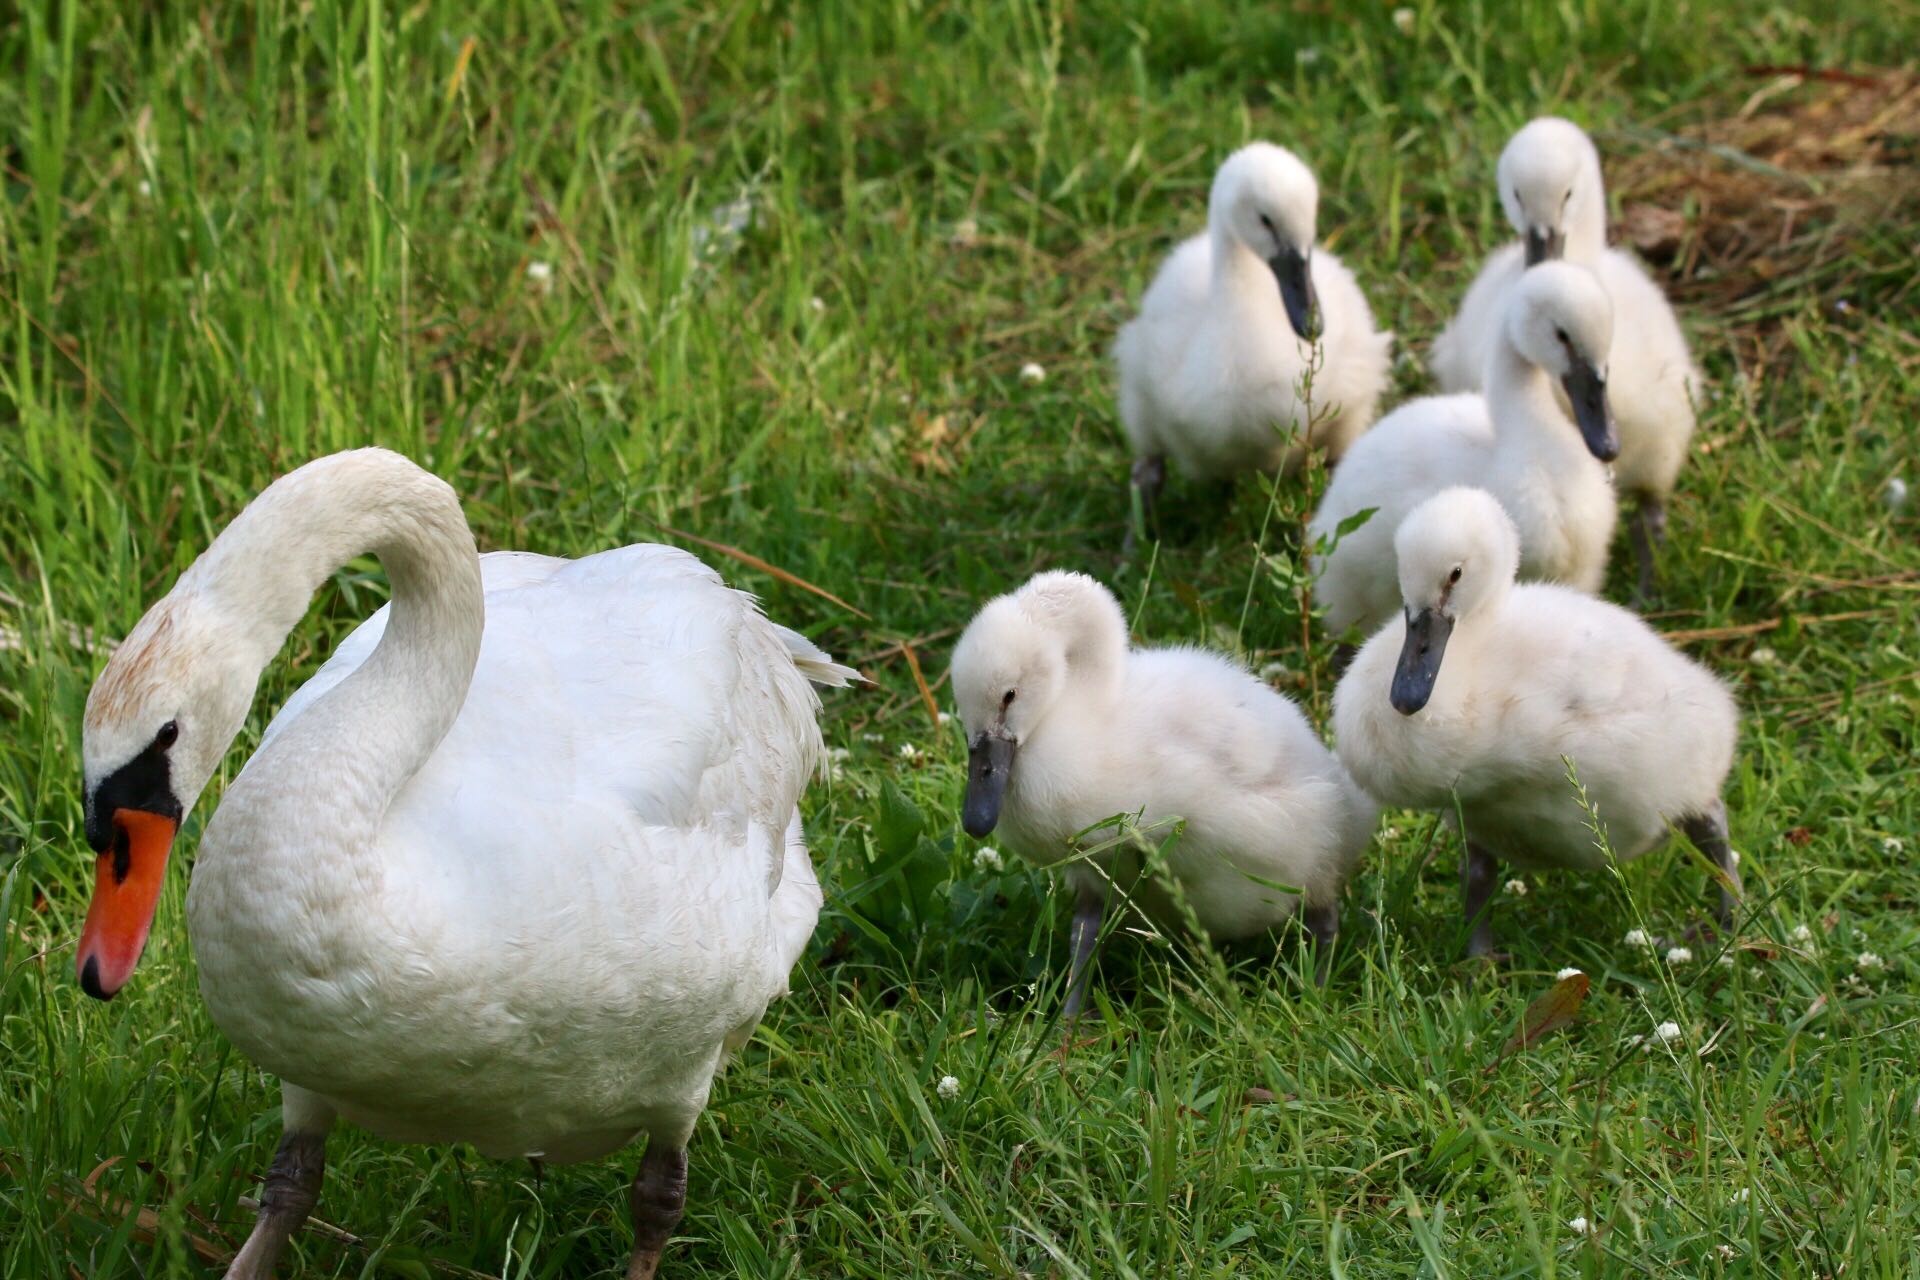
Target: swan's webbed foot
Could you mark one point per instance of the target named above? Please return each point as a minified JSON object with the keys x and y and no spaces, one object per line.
{"x":1478,"y":870}
{"x":292,"y":1189}
{"x":1323,"y":923}
{"x":1649,"y":532}
{"x":657,"y":1199}
{"x":1088,"y":908}
{"x":1149,"y":478}
{"x":1708,"y":831}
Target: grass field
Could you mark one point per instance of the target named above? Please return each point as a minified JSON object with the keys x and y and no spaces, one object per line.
{"x":767,"y":275}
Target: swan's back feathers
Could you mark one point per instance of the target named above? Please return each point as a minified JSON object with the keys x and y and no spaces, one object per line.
{"x":814,"y":663}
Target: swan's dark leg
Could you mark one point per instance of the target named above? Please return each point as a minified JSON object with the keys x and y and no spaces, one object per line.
{"x":1478,"y":870}
{"x":1323,"y":922}
{"x":657,"y":1198}
{"x":1708,"y":831}
{"x":1149,"y":478}
{"x":1088,"y":907}
{"x":292,"y":1187}
{"x":1649,"y":532}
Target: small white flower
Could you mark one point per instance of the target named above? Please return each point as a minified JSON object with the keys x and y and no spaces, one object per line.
{"x":1763,"y":656}
{"x":1568,"y":972}
{"x":1580,"y":1226}
{"x":540,"y":276}
{"x":1667,"y":1032}
{"x":1032,"y":374}
{"x":1634,"y":1042}
{"x":1306,"y":57}
{"x":1893,"y":845}
{"x":909,"y":752}
{"x":966,"y":233}
{"x":1391,"y":833}
{"x":1727,"y":1251}
{"x":1679,"y":955}
{"x":1736,"y":855}
{"x":1801,"y":935}
{"x":817,"y":304}
{"x":1743,"y":1195}
{"x":1403,"y":19}
{"x":1271,"y":671}
{"x":987,"y":858}
{"x":146,"y":188}
{"x":1895,"y":494}
{"x":1726,"y":960}
{"x":1518,"y":888}
{"x":836,"y":757}
{"x":1869,"y":962}
{"x":949,"y":1087}
{"x":942,"y":718}
{"x":873,"y":737}
{"x":1841,"y":307}
{"x":1638,"y":938}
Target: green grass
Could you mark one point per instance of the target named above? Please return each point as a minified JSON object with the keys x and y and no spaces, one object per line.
{"x":234,"y":240}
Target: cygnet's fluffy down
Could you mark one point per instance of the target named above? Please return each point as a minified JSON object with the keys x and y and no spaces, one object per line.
{"x":1212,"y":370}
{"x":1068,"y":727}
{"x":1551,"y":189}
{"x":1484,"y":686}
{"x":1516,"y":442}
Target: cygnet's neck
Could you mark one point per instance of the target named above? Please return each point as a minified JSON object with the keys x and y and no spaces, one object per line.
{"x":1521,"y":403}
{"x":1587,"y":216}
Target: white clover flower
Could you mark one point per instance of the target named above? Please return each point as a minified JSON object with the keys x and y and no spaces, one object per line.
{"x":1638,"y":938}
{"x":1667,"y":1032}
{"x":1735,"y":855}
{"x":1271,"y":671}
{"x":987,"y":858}
{"x":1726,"y":960}
{"x":1580,"y":1226}
{"x":1032,"y":374}
{"x":1727,"y":1251}
{"x":1801,"y":935}
{"x":1391,"y":833}
{"x":1842,"y":306}
{"x":1743,"y":1195}
{"x":1403,"y":19}
{"x":1895,"y":495}
{"x":146,"y":190}
{"x":909,"y":752}
{"x":1762,"y":656}
{"x":540,"y":276}
{"x":817,"y":304}
{"x":966,"y":233}
{"x":1869,"y":962}
{"x":1568,"y":972}
{"x":1894,"y":845}
{"x":873,"y":737}
{"x":949,"y":1087}
{"x":1679,"y":955}
{"x":1306,"y":57}
{"x":943,"y":718}
{"x":1518,"y":888}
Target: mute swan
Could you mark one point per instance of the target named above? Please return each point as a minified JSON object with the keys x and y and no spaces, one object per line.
{"x":1551,"y":189}
{"x":1211,"y":369}
{"x":1515,"y":441}
{"x":1531,"y":674}
{"x":518,"y":867}
{"x":1067,"y":727}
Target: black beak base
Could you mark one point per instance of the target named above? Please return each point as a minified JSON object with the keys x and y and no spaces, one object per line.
{"x":1419,"y":665}
{"x":1291,"y":268}
{"x":1587,"y":393}
{"x":989,"y":765}
{"x":1544,"y":245}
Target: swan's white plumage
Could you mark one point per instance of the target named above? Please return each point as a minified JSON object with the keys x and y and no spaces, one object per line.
{"x":1516,"y":442}
{"x":1210,"y":371}
{"x":1654,"y":381}
{"x":1532,"y":673}
{"x":1105,"y":730}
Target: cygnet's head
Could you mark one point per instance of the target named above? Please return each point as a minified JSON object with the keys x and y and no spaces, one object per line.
{"x":1266,"y":198}
{"x":1560,"y":318}
{"x":1457,"y":552}
{"x":1550,"y":186}
{"x":1010,"y":668}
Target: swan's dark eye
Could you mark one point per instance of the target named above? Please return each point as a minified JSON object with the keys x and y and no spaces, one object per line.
{"x":168,"y":735}
{"x":1455,"y":575}
{"x":1008,"y":700}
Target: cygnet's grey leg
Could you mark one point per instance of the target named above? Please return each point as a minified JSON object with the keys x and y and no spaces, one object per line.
{"x":1478,"y":870}
{"x":1323,"y":922}
{"x":657,"y":1198}
{"x":1708,"y":831}
{"x":1088,"y":907}
{"x":1149,"y":478}
{"x":292,"y":1187}
{"x":1649,"y":532}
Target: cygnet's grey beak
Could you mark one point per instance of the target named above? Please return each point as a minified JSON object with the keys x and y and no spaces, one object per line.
{"x":1587,"y":392}
{"x":989,"y":765}
{"x":1291,"y":268}
{"x":1544,"y":244}
{"x":1419,"y":665}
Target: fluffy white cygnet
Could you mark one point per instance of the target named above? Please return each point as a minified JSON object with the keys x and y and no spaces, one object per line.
{"x":1551,"y":189}
{"x":1516,"y":442}
{"x":1212,"y":369}
{"x":1485,"y":686}
{"x":1069,"y":728}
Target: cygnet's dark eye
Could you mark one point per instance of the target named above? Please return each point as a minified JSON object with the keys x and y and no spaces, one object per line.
{"x":1561,"y":334}
{"x":168,"y":735}
{"x":1455,"y":575}
{"x":1008,"y":700}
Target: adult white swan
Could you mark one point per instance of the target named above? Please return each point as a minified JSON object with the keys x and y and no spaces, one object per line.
{"x":518,"y":867}
{"x":1551,"y":189}
{"x":1487,"y":689}
{"x":1213,"y":369}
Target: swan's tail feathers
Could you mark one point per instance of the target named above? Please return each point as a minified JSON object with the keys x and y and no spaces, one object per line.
{"x":814,"y":664}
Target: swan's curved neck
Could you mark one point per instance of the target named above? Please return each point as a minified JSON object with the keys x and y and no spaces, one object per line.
{"x":1237,"y":270}
{"x":1587,"y":216}
{"x":1520,"y":395}
{"x":362,"y":740}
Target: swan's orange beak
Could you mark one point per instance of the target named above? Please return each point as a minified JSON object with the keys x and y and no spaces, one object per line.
{"x":126,"y":888}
